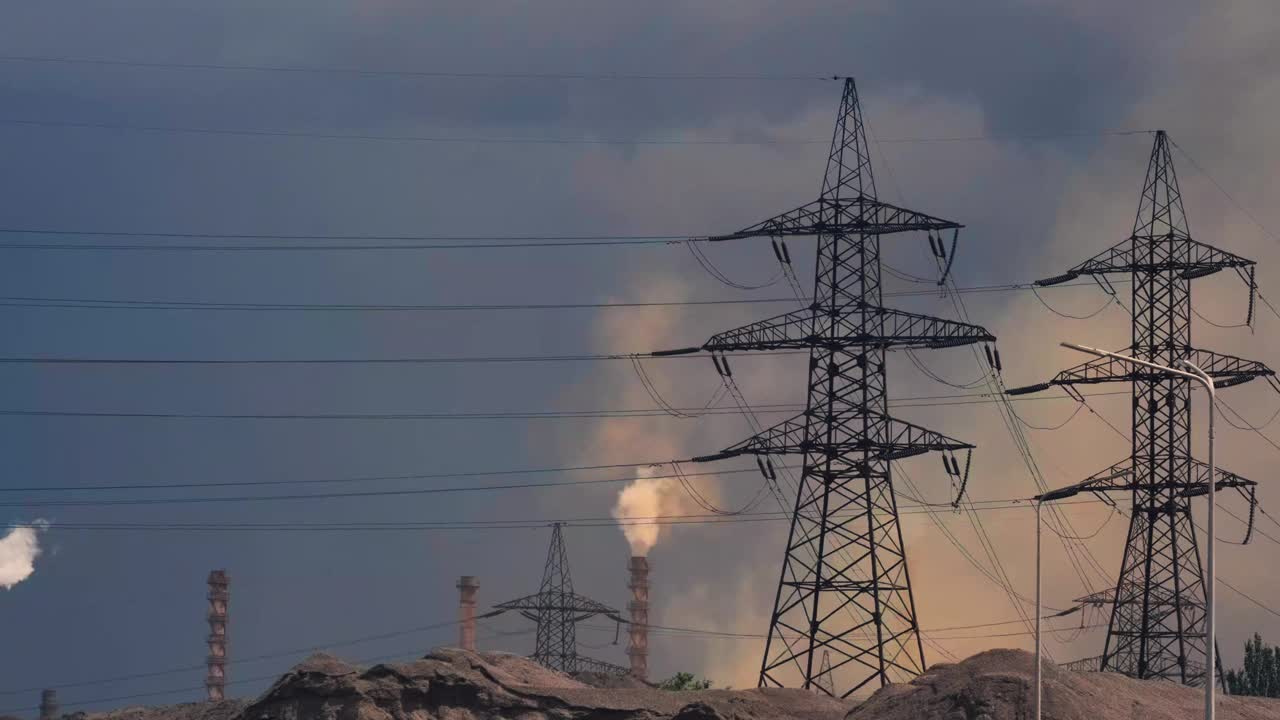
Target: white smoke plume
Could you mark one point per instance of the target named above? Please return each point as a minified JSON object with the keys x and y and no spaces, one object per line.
{"x":645,"y":497}
{"x":18,"y":552}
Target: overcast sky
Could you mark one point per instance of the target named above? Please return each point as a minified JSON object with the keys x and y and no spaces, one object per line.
{"x":84,"y":149}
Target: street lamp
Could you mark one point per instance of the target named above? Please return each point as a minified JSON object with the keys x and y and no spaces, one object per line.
{"x":1211,"y":647}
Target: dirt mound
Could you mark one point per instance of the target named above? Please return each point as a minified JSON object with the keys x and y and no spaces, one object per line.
{"x":998,"y":685}
{"x":223,"y":710}
{"x":451,"y":684}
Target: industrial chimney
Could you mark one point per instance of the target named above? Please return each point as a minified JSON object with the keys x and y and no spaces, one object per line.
{"x":467,"y":587}
{"x":219,"y":598}
{"x":638,"y":647}
{"x":49,"y":705}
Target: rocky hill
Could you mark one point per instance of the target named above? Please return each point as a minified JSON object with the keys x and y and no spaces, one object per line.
{"x":452,"y":684}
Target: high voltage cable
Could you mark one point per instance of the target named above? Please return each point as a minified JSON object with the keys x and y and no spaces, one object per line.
{"x":131,"y":304}
{"x":683,"y":413}
{"x":420,"y":139}
{"x":343,"y":480}
{"x":342,"y":495}
{"x":691,"y":413}
{"x":442,"y":74}
{"x":97,"y":303}
{"x":473,"y":359}
{"x":365,"y":246}
{"x":484,"y":525}
{"x":499,"y":140}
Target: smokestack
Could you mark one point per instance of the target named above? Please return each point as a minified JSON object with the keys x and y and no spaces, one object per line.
{"x":49,"y":709}
{"x":219,"y":598}
{"x":467,"y":587}
{"x":638,"y":647}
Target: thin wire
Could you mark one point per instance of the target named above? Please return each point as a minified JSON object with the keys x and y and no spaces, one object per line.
{"x":711,"y":407}
{"x":364,"y":246}
{"x":1216,"y":324}
{"x":1110,"y":516}
{"x":717,"y":517}
{"x":133,"y":304}
{"x":1200,"y":168}
{"x":924,"y":369}
{"x":333,"y":495}
{"x":418,"y":139}
{"x":1226,"y":406}
{"x":682,"y":413}
{"x":1059,"y":426}
{"x":707,"y":265}
{"x":103,"y":304}
{"x":1055,"y":311}
{"x":443,"y":74}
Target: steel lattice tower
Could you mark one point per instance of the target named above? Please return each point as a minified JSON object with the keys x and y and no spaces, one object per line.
{"x":845,"y":587}
{"x":1157,"y":620}
{"x":556,"y":609}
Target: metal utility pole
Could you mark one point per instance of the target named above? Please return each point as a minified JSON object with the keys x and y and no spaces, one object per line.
{"x":557,"y":609}
{"x":844,"y":586}
{"x":1158,"y":607}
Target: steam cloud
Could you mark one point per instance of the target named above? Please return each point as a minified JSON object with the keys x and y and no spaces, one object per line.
{"x":18,"y":552}
{"x":644,"y":497}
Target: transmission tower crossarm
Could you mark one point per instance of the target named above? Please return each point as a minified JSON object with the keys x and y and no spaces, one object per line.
{"x":902,"y":439}
{"x":569,"y":602}
{"x":827,"y":216}
{"x":1226,"y":370}
{"x":1121,"y":477}
{"x":1195,"y":259}
{"x":865,"y":326}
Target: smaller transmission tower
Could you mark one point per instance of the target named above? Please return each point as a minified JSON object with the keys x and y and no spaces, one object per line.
{"x":557,"y":609}
{"x":1158,"y":607}
{"x":219,"y":600}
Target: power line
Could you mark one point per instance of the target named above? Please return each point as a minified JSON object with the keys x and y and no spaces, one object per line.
{"x":709,"y":518}
{"x":417,"y":139}
{"x":339,"y":480}
{"x":961,"y":399}
{"x":341,"y":495}
{"x":499,"y":140}
{"x":421,"y":74}
{"x":473,"y":359}
{"x":109,"y":304}
{"x":135,"y":304}
{"x":368,"y":243}
{"x":689,"y":413}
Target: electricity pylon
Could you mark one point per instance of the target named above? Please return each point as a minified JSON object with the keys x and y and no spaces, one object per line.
{"x":1157,"y":620}
{"x":845,"y":587}
{"x":557,"y":609}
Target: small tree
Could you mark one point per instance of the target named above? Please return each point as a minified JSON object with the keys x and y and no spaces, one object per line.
{"x":1260,"y":676}
{"x":684,"y":681}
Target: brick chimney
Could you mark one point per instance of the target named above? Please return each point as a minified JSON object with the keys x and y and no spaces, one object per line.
{"x":467,"y":588}
{"x":219,"y":600}
{"x":638,"y":646}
